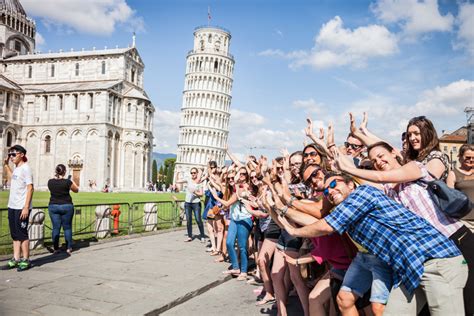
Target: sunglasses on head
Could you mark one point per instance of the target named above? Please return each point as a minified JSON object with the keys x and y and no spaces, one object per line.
{"x":313,"y":174}
{"x":331,"y":185}
{"x":353,"y":146}
{"x":310,"y":154}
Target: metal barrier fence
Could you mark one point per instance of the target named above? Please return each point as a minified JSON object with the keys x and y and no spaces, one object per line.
{"x":99,"y":221}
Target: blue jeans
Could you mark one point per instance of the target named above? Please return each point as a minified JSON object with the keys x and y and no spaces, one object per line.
{"x":61,"y":215}
{"x":239,"y":230}
{"x":195,"y":208}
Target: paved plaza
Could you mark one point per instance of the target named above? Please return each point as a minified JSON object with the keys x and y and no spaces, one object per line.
{"x":154,"y":274}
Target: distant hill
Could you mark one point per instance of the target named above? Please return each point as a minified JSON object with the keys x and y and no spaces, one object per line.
{"x":160,"y":158}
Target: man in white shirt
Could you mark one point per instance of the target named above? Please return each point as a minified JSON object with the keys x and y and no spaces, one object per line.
{"x":19,"y":206}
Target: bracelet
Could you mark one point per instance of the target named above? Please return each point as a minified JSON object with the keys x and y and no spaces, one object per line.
{"x":283,"y":211}
{"x":290,"y":203}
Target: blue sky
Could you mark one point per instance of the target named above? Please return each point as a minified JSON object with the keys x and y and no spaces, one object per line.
{"x":393,"y":59}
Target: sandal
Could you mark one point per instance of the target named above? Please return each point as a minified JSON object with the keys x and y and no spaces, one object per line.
{"x":220,"y":259}
{"x":215,"y":253}
{"x":265,"y":301}
{"x":232,"y":272}
{"x":242,"y":277}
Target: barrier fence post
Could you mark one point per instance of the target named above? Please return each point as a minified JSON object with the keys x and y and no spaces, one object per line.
{"x":36,"y":228}
{"x":150,"y":220}
{"x":102,"y":225}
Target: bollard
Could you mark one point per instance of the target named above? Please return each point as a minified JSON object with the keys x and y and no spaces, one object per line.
{"x":116,"y":215}
{"x":150,"y":220}
{"x":102,"y":223}
{"x":36,"y":228}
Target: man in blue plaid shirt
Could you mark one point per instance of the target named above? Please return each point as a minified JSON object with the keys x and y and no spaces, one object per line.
{"x":423,"y":260}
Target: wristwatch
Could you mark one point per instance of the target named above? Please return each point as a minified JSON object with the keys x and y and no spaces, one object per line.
{"x":283,"y":211}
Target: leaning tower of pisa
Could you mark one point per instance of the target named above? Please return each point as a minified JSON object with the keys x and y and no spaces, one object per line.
{"x":205,"y":111}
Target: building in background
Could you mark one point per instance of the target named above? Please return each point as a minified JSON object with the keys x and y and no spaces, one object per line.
{"x":450,"y":143}
{"x":207,"y":95}
{"x":85,"y":109}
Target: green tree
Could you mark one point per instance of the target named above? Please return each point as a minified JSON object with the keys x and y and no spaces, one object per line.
{"x":154,"y":171}
{"x":169,"y":170}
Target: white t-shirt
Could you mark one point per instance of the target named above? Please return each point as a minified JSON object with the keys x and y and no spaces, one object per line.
{"x":190,"y":189}
{"x":21,"y":177}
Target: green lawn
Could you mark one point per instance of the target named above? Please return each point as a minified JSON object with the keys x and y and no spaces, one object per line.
{"x":41,"y":198}
{"x":131,"y":218}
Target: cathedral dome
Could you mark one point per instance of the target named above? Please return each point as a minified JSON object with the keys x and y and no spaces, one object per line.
{"x":13,"y":6}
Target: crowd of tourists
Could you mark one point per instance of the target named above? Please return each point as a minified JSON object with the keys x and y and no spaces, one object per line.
{"x":358,"y":229}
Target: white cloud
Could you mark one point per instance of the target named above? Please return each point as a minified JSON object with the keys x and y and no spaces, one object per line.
{"x":309,"y":105}
{"x":443,"y":105}
{"x":242,"y":119}
{"x":338,"y":46}
{"x":85,"y":16}
{"x":414,"y":17}
{"x":39,"y":39}
{"x":465,"y":22}
{"x":166,"y":130}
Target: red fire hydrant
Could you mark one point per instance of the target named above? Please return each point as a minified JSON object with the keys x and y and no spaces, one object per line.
{"x":115,"y":214}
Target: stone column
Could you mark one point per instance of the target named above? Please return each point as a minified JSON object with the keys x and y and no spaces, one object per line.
{"x":102,"y":225}
{"x":36,"y":228}
{"x":150,"y":220}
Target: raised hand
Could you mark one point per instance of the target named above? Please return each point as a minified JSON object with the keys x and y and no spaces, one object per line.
{"x":309,"y":128}
{"x":353,"y":127}
{"x":343,"y":162}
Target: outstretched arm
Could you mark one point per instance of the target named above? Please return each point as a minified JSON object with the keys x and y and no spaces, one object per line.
{"x":318,"y":228}
{"x":406,"y":173}
{"x":233,"y":158}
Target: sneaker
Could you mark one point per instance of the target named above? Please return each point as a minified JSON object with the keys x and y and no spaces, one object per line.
{"x":203,"y":240}
{"x":23,"y":265}
{"x":12,"y":263}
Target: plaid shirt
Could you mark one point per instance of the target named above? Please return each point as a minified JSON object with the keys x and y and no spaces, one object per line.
{"x":391,"y":232}
{"x":415,"y":197}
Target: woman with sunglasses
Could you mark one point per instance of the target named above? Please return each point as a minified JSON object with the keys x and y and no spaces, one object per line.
{"x":240,"y":224}
{"x":401,"y":182}
{"x":462,"y":178}
{"x":194,"y":192}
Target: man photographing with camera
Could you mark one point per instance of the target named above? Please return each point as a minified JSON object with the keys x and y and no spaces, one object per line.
{"x":19,"y":205}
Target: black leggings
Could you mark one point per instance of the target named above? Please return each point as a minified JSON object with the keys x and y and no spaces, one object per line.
{"x":464,"y":239}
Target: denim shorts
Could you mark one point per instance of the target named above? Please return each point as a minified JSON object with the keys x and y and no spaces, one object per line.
{"x":367,"y":272}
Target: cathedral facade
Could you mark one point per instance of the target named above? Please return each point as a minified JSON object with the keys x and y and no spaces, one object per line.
{"x":85,"y":109}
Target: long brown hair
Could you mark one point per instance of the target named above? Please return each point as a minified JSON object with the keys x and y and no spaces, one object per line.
{"x":429,"y":139}
{"x":228,"y":188}
{"x":325,"y":166}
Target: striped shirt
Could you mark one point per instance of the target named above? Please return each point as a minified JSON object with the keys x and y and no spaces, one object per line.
{"x":388,"y":230}
{"x":415,"y":197}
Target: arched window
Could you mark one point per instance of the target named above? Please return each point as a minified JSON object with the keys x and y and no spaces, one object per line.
{"x":52,"y":70}
{"x":209,"y":38}
{"x":9,"y":139}
{"x":129,"y":107}
{"x":47,"y":144}
{"x":103,"y":67}
{"x":30,"y":71}
{"x":77,"y":69}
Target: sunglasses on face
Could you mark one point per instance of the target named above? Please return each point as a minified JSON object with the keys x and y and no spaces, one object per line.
{"x":11,"y":154}
{"x":331,"y":185}
{"x":468,"y":159}
{"x":193,"y":172}
{"x":310,"y":154}
{"x":353,"y":146}
{"x":243,"y":173}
